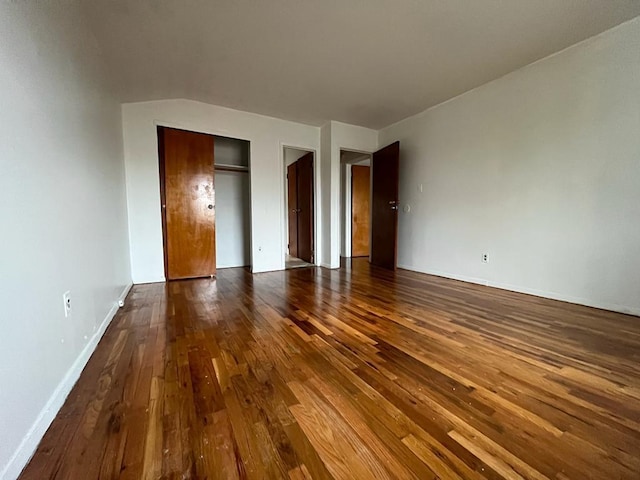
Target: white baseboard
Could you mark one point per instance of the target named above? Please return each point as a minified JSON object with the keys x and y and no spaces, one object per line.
{"x":124,"y":294}
{"x":30,"y":442}
{"x":530,"y":291}
{"x":143,"y":280}
{"x":614,"y":307}
{"x":453,"y":276}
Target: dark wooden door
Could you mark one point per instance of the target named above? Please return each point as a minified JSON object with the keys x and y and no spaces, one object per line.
{"x":292,"y":208}
{"x":360,"y":211}
{"x":384,"y":194}
{"x":188,"y":203}
{"x":305,"y":207}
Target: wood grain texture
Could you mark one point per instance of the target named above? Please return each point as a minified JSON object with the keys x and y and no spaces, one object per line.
{"x":187,"y":170}
{"x":305,"y":208}
{"x":354,"y":373}
{"x":385,"y":178}
{"x":300,"y":208}
{"x":360,"y":210}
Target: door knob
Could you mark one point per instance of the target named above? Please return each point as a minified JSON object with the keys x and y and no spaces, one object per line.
{"x":210,"y":207}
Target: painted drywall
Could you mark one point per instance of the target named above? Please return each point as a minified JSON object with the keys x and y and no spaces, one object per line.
{"x":233,"y":219}
{"x":345,"y":210}
{"x":233,"y":204}
{"x":541,"y":170}
{"x":231,"y":151}
{"x":266,"y":135}
{"x":364,"y":62}
{"x":325,"y":194}
{"x":63,"y":216}
{"x":337,"y":136}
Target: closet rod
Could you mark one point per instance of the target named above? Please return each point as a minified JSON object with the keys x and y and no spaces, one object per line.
{"x":232,"y":168}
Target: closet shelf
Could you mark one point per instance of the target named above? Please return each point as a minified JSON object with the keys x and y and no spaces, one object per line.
{"x":231,"y":168}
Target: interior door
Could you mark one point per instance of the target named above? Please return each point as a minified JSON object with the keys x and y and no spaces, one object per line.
{"x":292,"y":205}
{"x":360,"y":212}
{"x":384,"y":221}
{"x":305,"y":207}
{"x":188,"y":203}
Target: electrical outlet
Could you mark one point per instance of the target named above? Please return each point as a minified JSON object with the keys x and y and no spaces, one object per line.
{"x":66,"y":298}
{"x":485,"y":258}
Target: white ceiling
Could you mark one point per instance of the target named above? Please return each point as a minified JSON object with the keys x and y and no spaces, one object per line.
{"x":365,"y":62}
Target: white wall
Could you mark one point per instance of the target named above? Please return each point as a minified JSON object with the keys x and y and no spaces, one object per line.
{"x":233,"y":219}
{"x":345,"y":210}
{"x":267,"y":136}
{"x":231,"y":151}
{"x":541,"y":170}
{"x":63,"y":216}
{"x":233,"y":204}
{"x":325,"y":195}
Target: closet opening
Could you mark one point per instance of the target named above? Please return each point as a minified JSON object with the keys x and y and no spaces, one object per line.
{"x":206,"y":204}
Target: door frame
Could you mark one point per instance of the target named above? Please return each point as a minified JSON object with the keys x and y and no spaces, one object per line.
{"x":344,"y":209}
{"x":292,"y":195}
{"x":316,"y":205}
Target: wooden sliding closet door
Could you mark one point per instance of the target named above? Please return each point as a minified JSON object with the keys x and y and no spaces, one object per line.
{"x":188,"y":203}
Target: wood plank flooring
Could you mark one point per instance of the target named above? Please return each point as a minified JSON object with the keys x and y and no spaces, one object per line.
{"x":355,"y":373}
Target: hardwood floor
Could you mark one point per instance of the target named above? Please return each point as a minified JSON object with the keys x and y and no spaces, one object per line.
{"x":358,"y":373}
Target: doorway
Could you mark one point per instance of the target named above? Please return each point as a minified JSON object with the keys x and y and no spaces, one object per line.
{"x":374,"y":234}
{"x":355,"y":193}
{"x":299,"y":207}
{"x":360,"y":210}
